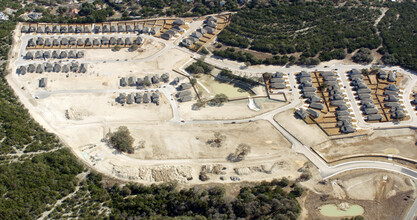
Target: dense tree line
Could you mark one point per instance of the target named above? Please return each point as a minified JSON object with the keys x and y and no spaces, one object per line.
{"x":228,"y":74}
{"x":363,"y":56}
{"x":264,"y":201}
{"x":6,"y":27}
{"x":148,"y":8}
{"x":398,"y":31}
{"x":238,"y":55}
{"x":13,"y":4}
{"x":122,"y":140}
{"x":28,"y":187}
{"x":250,"y":59}
{"x":310,"y":28}
{"x":199,"y":67}
{"x":17,"y":129}
{"x":32,"y":184}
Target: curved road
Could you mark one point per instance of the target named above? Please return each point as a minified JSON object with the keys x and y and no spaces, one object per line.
{"x":325,"y":170}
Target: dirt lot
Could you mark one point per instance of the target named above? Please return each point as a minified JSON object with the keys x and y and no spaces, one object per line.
{"x":148,"y":48}
{"x":230,"y":110}
{"x":309,"y":135}
{"x":399,"y":142}
{"x":163,"y":63}
{"x":89,"y":108}
{"x":383,"y":195}
{"x":166,"y":157}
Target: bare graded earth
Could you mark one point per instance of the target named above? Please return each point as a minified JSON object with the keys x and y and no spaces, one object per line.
{"x":229,"y":110}
{"x":147,"y":49}
{"x":309,"y":135}
{"x":383,"y":195}
{"x":100,"y":107}
{"x":178,"y":152}
{"x":396,"y":142}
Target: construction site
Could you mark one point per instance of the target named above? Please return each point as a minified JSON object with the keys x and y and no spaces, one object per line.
{"x":87,"y":80}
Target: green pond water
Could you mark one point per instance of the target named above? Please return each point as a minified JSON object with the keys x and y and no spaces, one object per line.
{"x":332,"y":210}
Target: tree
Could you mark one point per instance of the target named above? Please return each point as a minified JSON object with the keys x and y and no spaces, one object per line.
{"x":363,"y":56}
{"x":204,"y":51}
{"x":217,"y":141}
{"x":314,"y":61}
{"x":146,"y":82}
{"x":122,"y":140}
{"x":193,"y":81}
{"x":62,"y":10}
{"x":323,"y":86}
{"x":241,"y":151}
{"x":219,"y":99}
{"x":297,"y":190}
{"x":117,"y":48}
{"x":86,"y":9}
{"x":365,"y":72}
{"x":134,"y":47}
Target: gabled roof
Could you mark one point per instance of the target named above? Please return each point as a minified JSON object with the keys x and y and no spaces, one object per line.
{"x":113,"y":40}
{"x":56,"y":29}
{"x":121,"y":27}
{"x":277,"y":80}
{"x":64,"y":29}
{"x":374,"y":117}
{"x":139,"y":40}
{"x":71,"y":54}
{"x":39,"y":68}
{"x":347,"y":129}
{"x":392,"y":87}
{"x":314,"y":98}
{"x":56,"y":42}
{"x":88,"y":42}
{"x":24,"y":29}
{"x":391,"y":98}
{"x":277,"y":75}
{"x":63,"y":54}
{"x":392,"y":76}
{"x":316,"y":105}
{"x":370,"y":111}
{"x":48,"y":42}
{"x":309,"y":89}
{"x":355,"y":72}
{"x":342,"y":107}
{"x":179,"y":21}
{"x":29,"y":55}
{"x":278,"y":85}
{"x":96,"y":42}
{"x":313,"y":113}
{"x":71,"y":29}
{"x":185,"y":86}
{"x":80,"y":54}
{"x":31,"y":68}
{"x":305,"y":79}
{"x":83,"y":68}
{"x":170,"y":32}
{"x":98,"y":29}
{"x":302,"y":113}
{"x":79,"y":29}
{"x":327,"y":73}
{"x":65,"y":69}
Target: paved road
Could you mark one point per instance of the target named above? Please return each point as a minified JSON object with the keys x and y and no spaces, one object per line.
{"x":325,"y":170}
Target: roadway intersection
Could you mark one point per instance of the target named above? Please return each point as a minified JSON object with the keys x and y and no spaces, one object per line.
{"x":326,"y":171}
